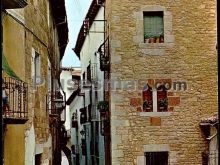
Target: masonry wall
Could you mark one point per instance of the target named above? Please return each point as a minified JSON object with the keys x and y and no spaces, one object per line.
{"x":24,"y":30}
{"x":36,"y":17}
{"x":187,"y":54}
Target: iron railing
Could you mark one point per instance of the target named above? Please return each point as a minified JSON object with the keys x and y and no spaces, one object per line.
{"x":52,"y":101}
{"x":93,"y":71}
{"x":104,"y":56}
{"x":15,"y":104}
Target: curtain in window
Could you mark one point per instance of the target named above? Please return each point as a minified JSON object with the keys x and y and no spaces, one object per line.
{"x":153,"y":26}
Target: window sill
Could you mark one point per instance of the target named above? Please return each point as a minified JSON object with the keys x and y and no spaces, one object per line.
{"x":155,"y":49}
{"x":153,"y":114}
{"x":154,"y":45}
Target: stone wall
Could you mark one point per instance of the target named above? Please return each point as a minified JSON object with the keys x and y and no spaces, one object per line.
{"x":188,"y":54}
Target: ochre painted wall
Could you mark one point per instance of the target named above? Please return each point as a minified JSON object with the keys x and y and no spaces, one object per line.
{"x":14,"y":145}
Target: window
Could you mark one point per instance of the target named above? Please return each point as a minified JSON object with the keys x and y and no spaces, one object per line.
{"x":153,"y":27}
{"x":155,"y":100}
{"x":162,"y":101}
{"x":84,"y":77}
{"x":156,"y":158}
{"x":36,"y":68}
{"x":38,"y":159}
{"x":147,"y":99}
{"x":89,"y":73}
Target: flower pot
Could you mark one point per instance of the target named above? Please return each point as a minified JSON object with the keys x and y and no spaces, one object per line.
{"x":151,"y":40}
{"x":161,"y":40}
{"x":146,"y":40}
{"x":157,"y":40}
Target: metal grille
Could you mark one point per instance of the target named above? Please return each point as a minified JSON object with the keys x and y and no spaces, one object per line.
{"x":15,"y":105}
{"x":156,"y":158}
{"x":94,"y":112}
{"x":51,"y":98}
{"x":93,"y":71}
{"x":104,"y":56}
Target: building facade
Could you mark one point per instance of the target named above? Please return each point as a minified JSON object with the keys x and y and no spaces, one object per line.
{"x":160,"y":62}
{"x":88,"y":127}
{"x":155,"y":45}
{"x":32,"y":49}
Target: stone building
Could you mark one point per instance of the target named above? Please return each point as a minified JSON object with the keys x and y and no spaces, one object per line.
{"x":35,"y":36}
{"x":163,"y":78}
{"x":160,"y":62}
{"x":154,"y":46}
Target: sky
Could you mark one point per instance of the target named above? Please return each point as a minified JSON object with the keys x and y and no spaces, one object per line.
{"x":76,"y":11}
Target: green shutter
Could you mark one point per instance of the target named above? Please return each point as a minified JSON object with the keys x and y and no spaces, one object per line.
{"x":153,"y":25}
{"x":7,"y":68}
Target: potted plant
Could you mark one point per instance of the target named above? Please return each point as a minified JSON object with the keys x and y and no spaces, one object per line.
{"x":146,"y":38}
{"x":104,"y":63}
{"x":161,"y":39}
{"x":147,"y":105}
{"x":163,"y":103}
{"x":103,"y":106}
{"x":157,"y":38}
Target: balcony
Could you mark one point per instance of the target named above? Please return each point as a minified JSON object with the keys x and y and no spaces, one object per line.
{"x":94,"y":76}
{"x":55,"y":104}
{"x":104,"y":56}
{"x":14,"y":4}
{"x":74,"y":120}
{"x":15,"y":104}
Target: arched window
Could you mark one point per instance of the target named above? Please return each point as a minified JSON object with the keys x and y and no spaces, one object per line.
{"x":147,"y":99}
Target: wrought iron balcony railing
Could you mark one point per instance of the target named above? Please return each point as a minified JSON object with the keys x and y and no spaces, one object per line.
{"x":14,"y":101}
{"x":104,"y":56}
{"x":94,"y":71}
{"x":55,"y":103}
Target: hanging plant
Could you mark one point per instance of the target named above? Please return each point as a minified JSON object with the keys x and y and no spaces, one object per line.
{"x":103,"y":106}
{"x":163,"y":102}
{"x":147,"y":105}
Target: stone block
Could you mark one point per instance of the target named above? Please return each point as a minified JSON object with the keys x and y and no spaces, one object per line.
{"x":155,"y":121}
{"x":135,"y":102}
{"x":173,"y":101}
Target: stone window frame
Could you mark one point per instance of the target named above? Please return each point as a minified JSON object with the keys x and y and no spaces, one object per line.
{"x":153,"y":48}
{"x":153,"y":148}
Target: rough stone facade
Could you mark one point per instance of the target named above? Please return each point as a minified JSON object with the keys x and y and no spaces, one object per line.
{"x":188,"y":54}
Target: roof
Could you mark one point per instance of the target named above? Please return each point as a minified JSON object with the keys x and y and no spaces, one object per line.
{"x":92,"y":12}
{"x":67,"y":68}
{"x":210,"y":120}
{"x":60,"y":17}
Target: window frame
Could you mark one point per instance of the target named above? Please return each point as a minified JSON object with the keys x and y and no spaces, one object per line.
{"x":153,"y":38}
{"x":154,"y":96}
{"x":156,"y":157}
